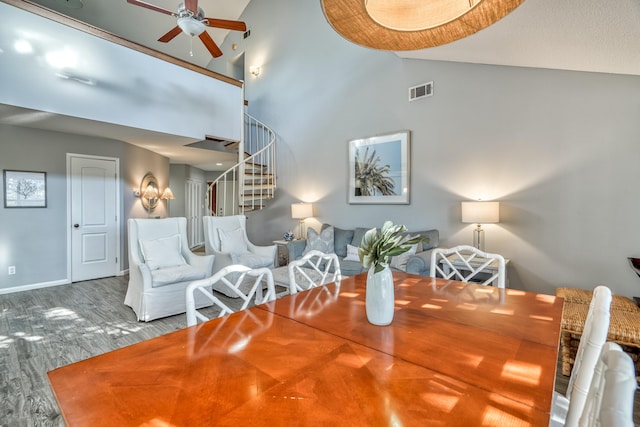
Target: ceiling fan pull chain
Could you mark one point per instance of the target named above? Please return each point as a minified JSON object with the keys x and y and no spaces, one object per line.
{"x":191,"y":46}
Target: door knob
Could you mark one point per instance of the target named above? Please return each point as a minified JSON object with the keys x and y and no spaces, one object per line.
{"x":76,"y":225}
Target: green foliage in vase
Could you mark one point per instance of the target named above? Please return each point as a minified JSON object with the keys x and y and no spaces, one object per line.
{"x":377,"y":249}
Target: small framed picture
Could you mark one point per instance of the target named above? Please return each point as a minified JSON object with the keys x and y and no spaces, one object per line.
{"x":379,"y":169}
{"x":24,"y":189}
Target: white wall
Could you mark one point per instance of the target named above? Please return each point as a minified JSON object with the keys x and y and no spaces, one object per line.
{"x":558,"y":149}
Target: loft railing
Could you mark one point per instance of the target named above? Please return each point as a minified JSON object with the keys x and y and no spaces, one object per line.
{"x":248,"y":184}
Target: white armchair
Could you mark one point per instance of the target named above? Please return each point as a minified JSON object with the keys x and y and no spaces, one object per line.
{"x":226,"y":238}
{"x":161,"y":266}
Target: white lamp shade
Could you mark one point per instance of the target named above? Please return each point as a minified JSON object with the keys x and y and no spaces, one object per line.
{"x":301,"y":210}
{"x":480,"y":212}
{"x":167,"y":194}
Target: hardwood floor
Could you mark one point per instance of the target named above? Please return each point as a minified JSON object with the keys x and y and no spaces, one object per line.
{"x":44,"y":329}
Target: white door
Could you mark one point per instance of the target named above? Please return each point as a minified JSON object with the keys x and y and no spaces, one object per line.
{"x":194,"y":201}
{"x":94,"y":208}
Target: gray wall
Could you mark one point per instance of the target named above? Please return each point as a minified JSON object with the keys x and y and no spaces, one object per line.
{"x":35,"y":240}
{"x":558,"y":149}
{"x":179,"y":173}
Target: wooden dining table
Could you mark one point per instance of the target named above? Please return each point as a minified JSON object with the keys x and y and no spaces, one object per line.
{"x":455,"y":354}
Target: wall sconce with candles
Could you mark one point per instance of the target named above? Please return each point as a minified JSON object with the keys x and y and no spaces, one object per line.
{"x":480,"y":213}
{"x":301,"y":211}
{"x":149,"y":192}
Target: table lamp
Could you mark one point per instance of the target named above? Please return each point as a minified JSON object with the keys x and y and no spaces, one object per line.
{"x":301,"y":211}
{"x":480,"y":213}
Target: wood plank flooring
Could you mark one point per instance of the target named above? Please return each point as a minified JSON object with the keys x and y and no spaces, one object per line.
{"x":47,"y":328}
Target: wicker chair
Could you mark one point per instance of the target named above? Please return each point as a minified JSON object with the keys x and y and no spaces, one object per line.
{"x":624,"y":325}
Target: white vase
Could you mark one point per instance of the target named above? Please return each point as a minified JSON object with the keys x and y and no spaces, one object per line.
{"x":380,"y":299}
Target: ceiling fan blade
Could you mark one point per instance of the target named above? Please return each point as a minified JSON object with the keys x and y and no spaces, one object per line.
{"x":170,"y":35}
{"x":151,"y":6}
{"x":191,"y":5}
{"x":226,"y":24}
{"x":211,"y":46}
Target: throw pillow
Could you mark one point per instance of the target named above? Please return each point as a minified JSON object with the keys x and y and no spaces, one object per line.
{"x":341,"y":238}
{"x":232,"y":241}
{"x":358,"y":234}
{"x":162,"y":253}
{"x":352,"y":253}
{"x":400,"y":261}
{"x":322,"y":242}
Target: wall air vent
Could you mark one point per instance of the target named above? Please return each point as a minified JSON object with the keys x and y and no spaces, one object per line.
{"x":420,"y":91}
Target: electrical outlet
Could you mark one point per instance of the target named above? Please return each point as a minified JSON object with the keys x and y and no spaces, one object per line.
{"x":12,"y":269}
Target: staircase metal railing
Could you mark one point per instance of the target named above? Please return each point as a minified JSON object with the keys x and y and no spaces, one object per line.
{"x":249,"y":183}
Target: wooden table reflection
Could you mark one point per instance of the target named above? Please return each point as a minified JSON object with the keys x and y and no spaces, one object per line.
{"x":455,"y":354}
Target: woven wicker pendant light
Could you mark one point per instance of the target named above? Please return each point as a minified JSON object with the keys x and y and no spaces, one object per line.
{"x":412,"y":24}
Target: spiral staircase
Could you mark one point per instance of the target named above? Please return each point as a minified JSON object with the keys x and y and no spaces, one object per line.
{"x":252,"y":181}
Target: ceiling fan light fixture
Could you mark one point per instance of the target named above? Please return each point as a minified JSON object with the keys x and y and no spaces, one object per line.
{"x":191,"y":26}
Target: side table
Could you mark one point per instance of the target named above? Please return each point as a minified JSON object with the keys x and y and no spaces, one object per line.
{"x":490,"y":269}
{"x":283,"y":252}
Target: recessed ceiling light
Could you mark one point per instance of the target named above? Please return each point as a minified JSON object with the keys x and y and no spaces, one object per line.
{"x":218,"y":164}
{"x":62,"y":59}
{"x":23,"y":46}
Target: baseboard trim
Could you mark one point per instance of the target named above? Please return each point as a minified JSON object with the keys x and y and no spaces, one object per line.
{"x":123,"y":272}
{"x":34,"y":286}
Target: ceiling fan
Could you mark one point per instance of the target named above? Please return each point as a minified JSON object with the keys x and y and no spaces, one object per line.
{"x":191,"y":21}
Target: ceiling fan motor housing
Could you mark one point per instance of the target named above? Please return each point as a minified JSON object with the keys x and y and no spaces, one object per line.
{"x":183,"y":12}
{"x":191,"y":26}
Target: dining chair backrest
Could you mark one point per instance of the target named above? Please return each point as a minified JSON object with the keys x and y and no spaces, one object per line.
{"x":313,"y":269}
{"x":244,"y":282}
{"x":468,"y":264}
{"x":611,"y":395}
{"x":594,"y":335}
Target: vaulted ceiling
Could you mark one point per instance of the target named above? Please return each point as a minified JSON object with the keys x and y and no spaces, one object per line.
{"x":579,"y":35}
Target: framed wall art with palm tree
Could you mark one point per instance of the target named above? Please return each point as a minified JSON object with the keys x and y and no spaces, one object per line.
{"x":379,"y":169}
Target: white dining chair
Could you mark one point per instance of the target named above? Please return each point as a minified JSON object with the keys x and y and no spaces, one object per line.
{"x":468,"y":264}
{"x":611,"y":396}
{"x":567,"y":409}
{"x":314,"y":269}
{"x":243,"y":282}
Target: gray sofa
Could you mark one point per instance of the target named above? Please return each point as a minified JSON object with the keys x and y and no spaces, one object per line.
{"x":418,"y":263}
